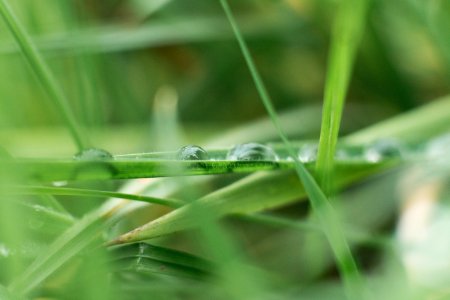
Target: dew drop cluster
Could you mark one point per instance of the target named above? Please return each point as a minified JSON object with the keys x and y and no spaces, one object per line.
{"x":374,"y":152}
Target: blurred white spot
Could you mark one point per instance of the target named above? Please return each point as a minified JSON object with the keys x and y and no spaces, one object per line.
{"x":423,"y":236}
{"x":4,"y":251}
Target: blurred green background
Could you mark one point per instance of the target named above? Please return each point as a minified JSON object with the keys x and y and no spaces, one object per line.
{"x":111,"y":58}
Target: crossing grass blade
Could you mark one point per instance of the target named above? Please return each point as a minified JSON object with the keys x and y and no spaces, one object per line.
{"x":43,"y":74}
{"x":347,"y":31}
{"x":320,"y":205}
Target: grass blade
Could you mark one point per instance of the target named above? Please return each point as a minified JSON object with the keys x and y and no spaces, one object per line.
{"x":148,"y":258}
{"x":254,"y":193}
{"x":44,"y":190}
{"x":347,"y":31}
{"x":43,"y":74}
{"x":71,"y":242}
{"x":413,"y":126}
{"x":59,"y":170}
{"x":318,"y":200}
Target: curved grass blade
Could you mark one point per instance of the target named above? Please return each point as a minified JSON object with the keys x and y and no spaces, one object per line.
{"x":44,"y":190}
{"x":320,"y":205}
{"x":43,"y":74}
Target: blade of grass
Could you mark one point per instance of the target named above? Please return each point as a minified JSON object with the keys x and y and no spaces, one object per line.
{"x":321,"y":207}
{"x":68,"y":244}
{"x":254,"y":193}
{"x":115,"y":38}
{"x":161,"y":254}
{"x":44,"y":190}
{"x":347,"y":31}
{"x":57,"y":170}
{"x":413,"y":126}
{"x":51,"y":222}
{"x":43,"y":74}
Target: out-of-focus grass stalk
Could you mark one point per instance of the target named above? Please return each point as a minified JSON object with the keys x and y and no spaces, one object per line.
{"x":43,"y":74}
{"x":347,"y":31}
{"x":322,"y":208}
{"x":71,"y":242}
{"x":46,"y":190}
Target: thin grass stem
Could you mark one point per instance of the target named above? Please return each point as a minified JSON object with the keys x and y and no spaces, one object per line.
{"x":45,"y":190}
{"x":43,"y":74}
{"x":322,"y":208}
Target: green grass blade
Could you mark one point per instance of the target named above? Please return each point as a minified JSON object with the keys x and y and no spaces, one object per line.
{"x":70,"y":243}
{"x":348,"y":28}
{"x":146,"y":258}
{"x":43,"y":74}
{"x":44,"y":190}
{"x":321,"y":206}
{"x":114,"y":38}
{"x":160,"y":254}
{"x":59,"y":170}
{"x":414,"y":126}
{"x":254,"y":193}
{"x":48,"y":221}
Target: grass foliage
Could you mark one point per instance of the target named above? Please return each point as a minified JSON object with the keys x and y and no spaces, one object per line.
{"x":344,"y":198}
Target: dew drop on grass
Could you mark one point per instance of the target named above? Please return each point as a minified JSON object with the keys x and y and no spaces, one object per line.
{"x":383,"y":149}
{"x":192,"y":152}
{"x":308,"y":152}
{"x":93,"y":154}
{"x":251,"y":151}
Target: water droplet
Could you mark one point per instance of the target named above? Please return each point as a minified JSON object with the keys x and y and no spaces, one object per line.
{"x":192,"y":152}
{"x":308,"y":152}
{"x":384,"y":148}
{"x":60,"y":183}
{"x":93,"y":154}
{"x":251,"y":151}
